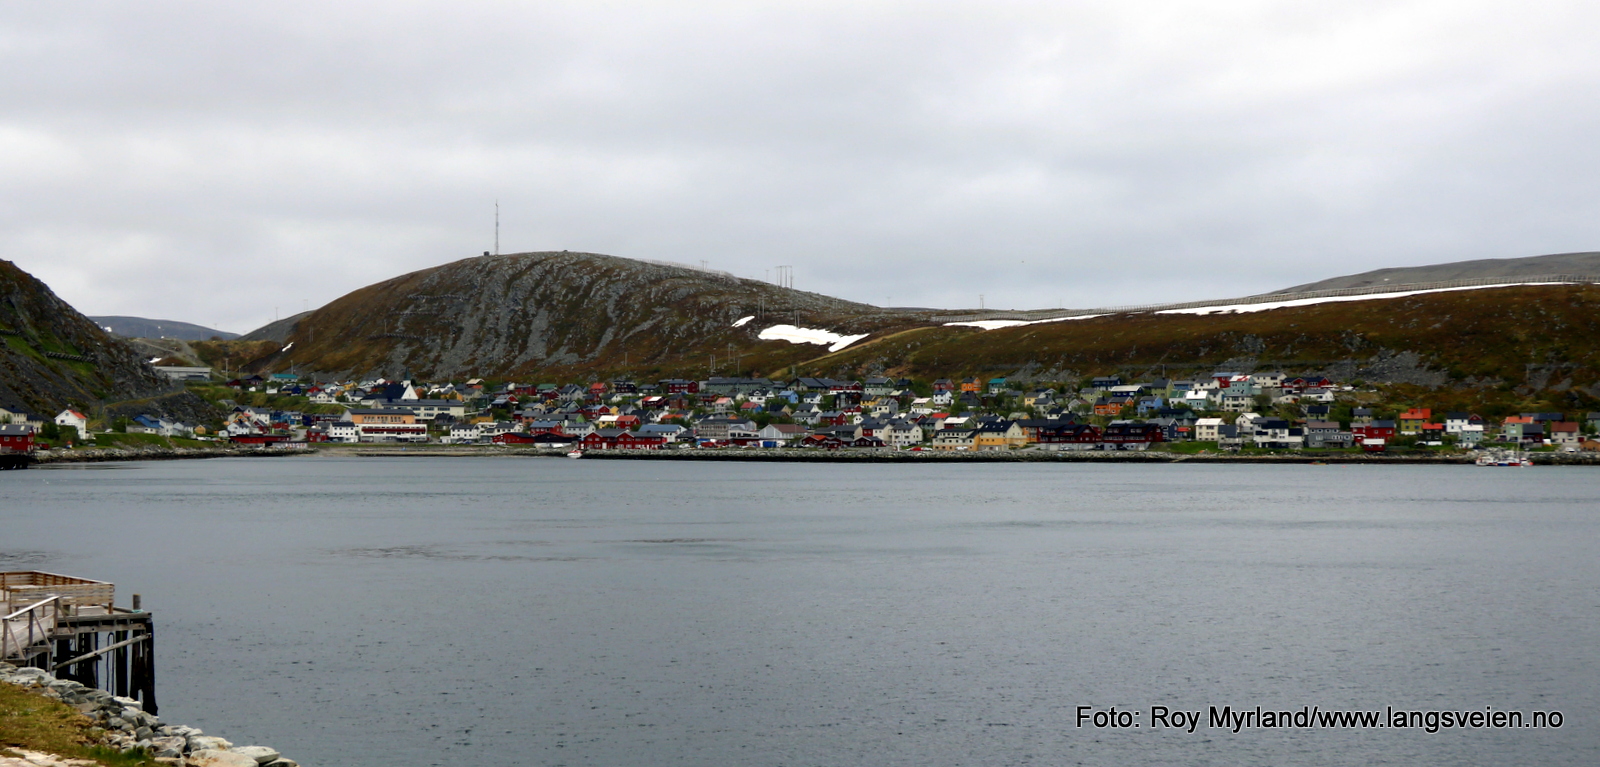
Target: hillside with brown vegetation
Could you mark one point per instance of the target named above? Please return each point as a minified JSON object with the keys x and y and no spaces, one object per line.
{"x":1535,"y":343}
{"x":563,"y":314}
{"x":569,"y":316}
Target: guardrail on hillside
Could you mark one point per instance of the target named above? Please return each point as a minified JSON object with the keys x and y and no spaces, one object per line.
{"x":1262,"y":298}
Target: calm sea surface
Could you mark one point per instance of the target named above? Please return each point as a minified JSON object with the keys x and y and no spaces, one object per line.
{"x":555,"y":612}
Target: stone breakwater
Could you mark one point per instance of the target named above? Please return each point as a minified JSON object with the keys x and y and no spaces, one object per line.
{"x":1067,"y":456}
{"x":128,"y":727}
{"x":1032,"y":455}
{"x":100,"y":455}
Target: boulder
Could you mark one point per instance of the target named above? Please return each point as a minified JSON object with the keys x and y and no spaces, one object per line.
{"x":169,"y":747}
{"x":261,"y":754}
{"x":213,"y":757}
{"x":208,"y":743}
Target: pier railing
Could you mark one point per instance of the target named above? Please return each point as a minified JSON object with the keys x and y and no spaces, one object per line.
{"x":28,"y":631}
{"x":32,"y":585}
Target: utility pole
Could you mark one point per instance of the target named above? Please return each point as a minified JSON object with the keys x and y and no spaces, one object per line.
{"x":497,"y":227}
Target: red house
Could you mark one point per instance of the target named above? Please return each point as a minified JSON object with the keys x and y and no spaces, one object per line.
{"x":1076,"y":434}
{"x":621,"y":439}
{"x":258,"y":439}
{"x":513,"y":438}
{"x":16,"y":438}
{"x":823,"y":440}
{"x":679,"y":386}
{"x":1380,"y":430}
{"x":631,"y":441}
{"x":1124,"y":435}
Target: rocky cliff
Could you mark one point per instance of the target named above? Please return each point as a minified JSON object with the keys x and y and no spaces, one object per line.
{"x":51,"y":356}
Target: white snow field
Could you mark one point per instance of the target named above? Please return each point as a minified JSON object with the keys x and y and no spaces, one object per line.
{"x":1261,"y":307}
{"x":795,"y":335}
{"x":997,"y":324}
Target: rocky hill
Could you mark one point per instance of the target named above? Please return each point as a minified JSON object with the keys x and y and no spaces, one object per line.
{"x":51,"y":356}
{"x":275,"y":331}
{"x":569,"y":316}
{"x":557,"y":314}
{"x":1531,"y":266}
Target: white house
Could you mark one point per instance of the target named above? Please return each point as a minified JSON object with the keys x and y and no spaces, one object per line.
{"x":75,"y":419}
{"x":901,"y":434}
{"x":463,"y":433}
{"x":1272,"y":380}
{"x":1207,"y":429}
{"x":343,"y":431}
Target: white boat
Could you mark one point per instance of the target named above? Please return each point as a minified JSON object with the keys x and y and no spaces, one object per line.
{"x":1503,"y":458}
{"x":575,"y":454}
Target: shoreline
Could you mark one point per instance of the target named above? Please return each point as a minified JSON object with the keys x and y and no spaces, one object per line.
{"x":103,"y":455}
{"x":796,"y":455}
{"x":802,"y":455}
{"x":126,"y":727}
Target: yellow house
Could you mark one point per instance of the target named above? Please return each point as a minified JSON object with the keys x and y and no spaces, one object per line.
{"x":1003,"y":435}
{"x":952,"y":439}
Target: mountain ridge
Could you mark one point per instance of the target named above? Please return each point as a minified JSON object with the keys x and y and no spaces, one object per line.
{"x":557,"y":311}
{"x":1580,"y":263}
{"x":141,"y":327}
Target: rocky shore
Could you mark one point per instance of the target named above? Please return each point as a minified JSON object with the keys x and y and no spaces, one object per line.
{"x":804,"y":455}
{"x":103,"y":454}
{"x":997,"y":456}
{"x":128,"y":727}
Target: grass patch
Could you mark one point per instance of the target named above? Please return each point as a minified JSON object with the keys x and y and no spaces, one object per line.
{"x":1186,"y":448}
{"x":117,"y":439}
{"x":31,"y":721}
{"x":216,"y":394}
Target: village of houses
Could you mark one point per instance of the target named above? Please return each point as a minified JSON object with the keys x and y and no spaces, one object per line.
{"x":1226,"y":411}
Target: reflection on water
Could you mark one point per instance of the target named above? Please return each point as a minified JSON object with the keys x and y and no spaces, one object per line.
{"x":507,"y":612}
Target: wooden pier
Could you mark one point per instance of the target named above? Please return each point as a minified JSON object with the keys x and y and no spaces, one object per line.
{"x":72,"y":628}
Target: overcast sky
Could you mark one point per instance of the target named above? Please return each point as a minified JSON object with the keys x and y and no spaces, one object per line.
{"x":217,"y":162}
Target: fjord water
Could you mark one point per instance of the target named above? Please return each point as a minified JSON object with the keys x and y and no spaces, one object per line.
{"x":433,"y":611}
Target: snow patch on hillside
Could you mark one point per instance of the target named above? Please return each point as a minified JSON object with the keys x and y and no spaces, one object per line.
{"x":1261,"y":307}
{"x":796,"y":335}
{"x":997,"y":324}
{"x":742,"y":320}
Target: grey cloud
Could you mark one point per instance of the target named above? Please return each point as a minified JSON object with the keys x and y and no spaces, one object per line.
{"x":209,"y":162}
